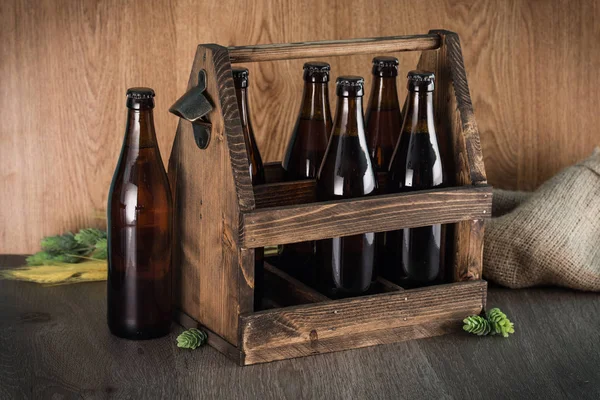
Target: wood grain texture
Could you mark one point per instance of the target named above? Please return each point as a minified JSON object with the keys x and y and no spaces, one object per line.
{"x":285,"y":193}
{"x":67,"y":64}
{"x":359,"y":322}
{"x":48,"y":335}
{"x":280,"y":225}
{"x":332,"y":48}
{"x":213,"y":278}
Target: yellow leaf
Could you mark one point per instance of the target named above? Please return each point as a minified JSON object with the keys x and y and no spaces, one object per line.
{"x":64,"y":273}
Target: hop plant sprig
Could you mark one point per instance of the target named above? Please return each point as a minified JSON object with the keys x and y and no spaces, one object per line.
{"x":191,"y":339}
{"x":71,"y":248}
{"x":500,"y":323}
{"x":100,"y":249}
{"x":90,"y":237}
{"x":493,"y":323}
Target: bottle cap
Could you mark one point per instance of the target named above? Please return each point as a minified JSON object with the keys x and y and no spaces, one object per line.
{"x":240,"y":77}
{"x":317,"y":72}
{"x":140,"y":97}
{"x":420,"y":81}
{"x":349,"y":86}
{"x":385,"y":66}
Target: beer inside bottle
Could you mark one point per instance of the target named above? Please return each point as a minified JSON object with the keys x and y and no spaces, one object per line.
{"x":416,"y":254}
{"x":139,"y":230}
{"x":304,"y":155}
{"x":383,"y":124}
{"x":255,"y":166}
{"x":346,"y":263}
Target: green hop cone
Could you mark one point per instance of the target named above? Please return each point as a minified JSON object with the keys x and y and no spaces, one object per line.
{"x":477,"y":325}
{"x":500,"y":323}
{"x":191,"y":339}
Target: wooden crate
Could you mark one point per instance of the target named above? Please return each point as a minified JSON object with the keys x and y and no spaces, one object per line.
{"x":220,"y":219}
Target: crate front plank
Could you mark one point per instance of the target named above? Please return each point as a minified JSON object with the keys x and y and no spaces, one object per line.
{"x":289,"y":51}
{"x":271,"y":226}
{"x":358,"y":322}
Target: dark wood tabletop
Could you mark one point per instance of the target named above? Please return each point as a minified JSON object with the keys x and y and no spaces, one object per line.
{"x":54,"y":343}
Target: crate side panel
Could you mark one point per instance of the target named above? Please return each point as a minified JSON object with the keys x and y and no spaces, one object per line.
{"x":207,"y":271}
{"x":459,"y":142}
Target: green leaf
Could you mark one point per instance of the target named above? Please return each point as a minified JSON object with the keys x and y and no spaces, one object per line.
{"x":41,"y":258}
{"x":191,"y":339}
{"x":90,"y":236}
{"x":64,"y":244}
{"x":100,"y":250}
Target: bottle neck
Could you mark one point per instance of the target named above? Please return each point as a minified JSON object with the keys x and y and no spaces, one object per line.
{"x":384,"y":95}
{"x":140,"y":131}
{"x":242,"y":98}
{"x":349,"y":118}
{"x":315,"y":102}
{"x":419,"y":112}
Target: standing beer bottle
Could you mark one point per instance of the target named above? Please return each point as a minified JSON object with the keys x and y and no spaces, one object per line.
{"x":304,"y":155}
{"x":346,"y":263}
{"x":383,"y":116}
{"x":139,"y":230}
{"x":416,"y":254}
{"x":383,"y":125}
{"x":255,"y":165}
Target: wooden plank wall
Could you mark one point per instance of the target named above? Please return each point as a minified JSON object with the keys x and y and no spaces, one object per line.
{"x":65,"y":66}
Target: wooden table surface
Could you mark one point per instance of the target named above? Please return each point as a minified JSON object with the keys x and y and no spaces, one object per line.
{"x":54,"y":343}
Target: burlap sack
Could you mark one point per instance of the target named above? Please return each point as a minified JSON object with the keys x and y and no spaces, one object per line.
{"x":550,"y":236}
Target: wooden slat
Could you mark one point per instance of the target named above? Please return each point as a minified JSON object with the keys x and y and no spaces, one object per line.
{"x":316,"y":221}
{"x":289,"y":51}
{"x":276,"y":193}
{"x":284,"y":193}
{"x":382,"y":285}
{"x":469,"y":250}
{"x":358,"y":322}
{"x":287,"y":290}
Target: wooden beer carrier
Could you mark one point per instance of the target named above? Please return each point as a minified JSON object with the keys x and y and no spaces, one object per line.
{"x":220,"y":218}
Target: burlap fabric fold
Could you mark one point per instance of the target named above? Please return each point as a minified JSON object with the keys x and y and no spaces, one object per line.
{"x":550,"y":236}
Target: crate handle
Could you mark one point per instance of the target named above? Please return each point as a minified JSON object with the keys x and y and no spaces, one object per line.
{"x":193,"y":106}
{"x":331,"y":48}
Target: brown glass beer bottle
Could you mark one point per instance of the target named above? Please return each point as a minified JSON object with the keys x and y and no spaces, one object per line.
{"x":304,"y":155}
{"x":255,"y":165}
{"x":383,"y":124}
{"x":346,"y":263}
{"x":139,"y":230}
{"x":383,"y":117}
{"x":415,"y":254}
